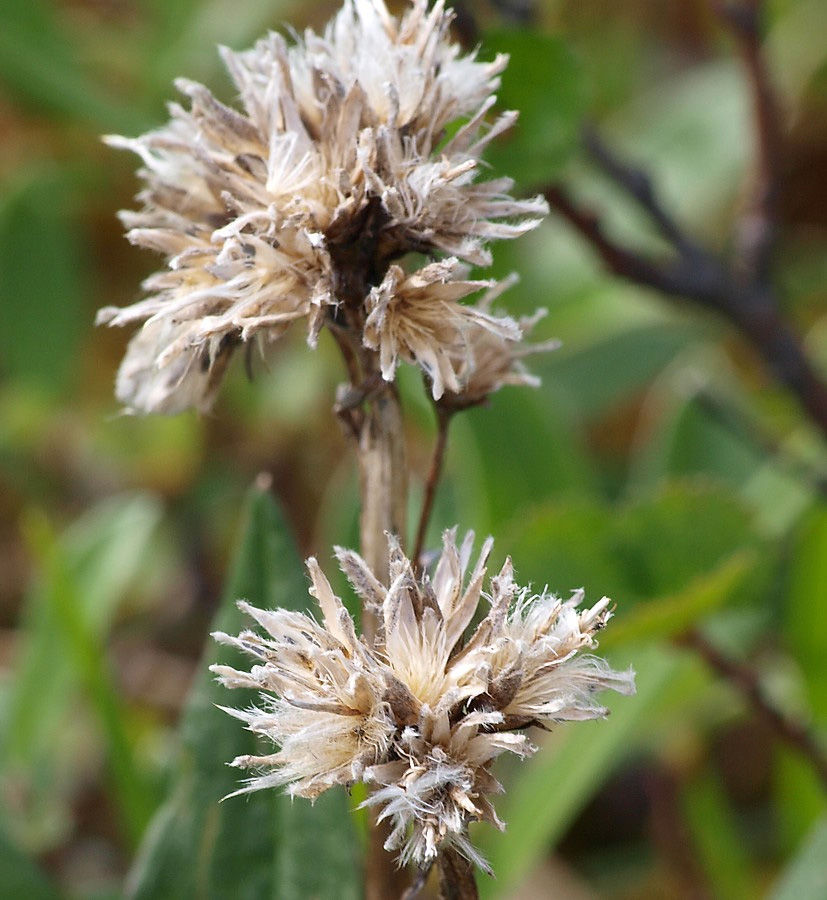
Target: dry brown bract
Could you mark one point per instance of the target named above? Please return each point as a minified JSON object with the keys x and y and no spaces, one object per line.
{"x":295,"y":206}
{"x":422,"y":714}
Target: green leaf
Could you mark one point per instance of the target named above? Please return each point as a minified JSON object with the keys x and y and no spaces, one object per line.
{"x":82,"y":577}
{"x":43,"y":314}
{"x":556,"y":783}
{"x":798,"y":791}
{"x":654,"y":548}
{"x":669,"y":616}
{"x":806,"y":614}
{"x":688,"y":131}
{"x":102,"y":553}
{"x":552,"y":456}
{"x":681,"y":532}
{"x":717,"y":841}
{"x":42,"y":67}
{"x":806,"y":876}
{"x":265,"y":845}
{"x":20,"y":876}
{"x":690,"y":442}
{"x":544,"y":83}
{"x":189,"y":32}
{"x":603,"y":373}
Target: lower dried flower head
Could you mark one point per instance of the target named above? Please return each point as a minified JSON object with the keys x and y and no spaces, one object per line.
{"x":423,"y":713}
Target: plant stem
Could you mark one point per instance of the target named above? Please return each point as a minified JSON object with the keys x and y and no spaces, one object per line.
{"x":371,"y":413}
{"x":456,"y":877}
{"x":443,"y":419}
{"x":383,"y":488}
{"x":383,"y":482}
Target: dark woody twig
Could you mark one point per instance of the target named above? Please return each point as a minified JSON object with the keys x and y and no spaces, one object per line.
{"x":696,"y":274}
{"x":794,"y":733}
{"x":739,"y":289}
{"x":757,"y":228}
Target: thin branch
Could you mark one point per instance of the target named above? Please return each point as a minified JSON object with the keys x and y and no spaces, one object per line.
{"x":697,"y":275}
{"x":757,"y":228}
{"x":418,"y":884}
{"x":745,"y":680}
{"x":740,"y":290}
{"x":636,"y":183}
{"x":443,"y":420}
{"x":694,"y":275}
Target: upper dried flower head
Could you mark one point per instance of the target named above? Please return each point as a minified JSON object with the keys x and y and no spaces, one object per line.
{"x":423,"y":712}
{"x":294,"y":207}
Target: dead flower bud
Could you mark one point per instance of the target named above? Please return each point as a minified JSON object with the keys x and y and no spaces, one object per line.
{"x":423,"y":713}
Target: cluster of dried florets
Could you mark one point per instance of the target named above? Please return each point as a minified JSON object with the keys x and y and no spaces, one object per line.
{"x":423,"y":712}
{"x":296,"y":207}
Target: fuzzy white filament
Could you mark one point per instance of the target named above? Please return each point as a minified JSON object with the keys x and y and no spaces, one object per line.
{"x":422,"y":713}
{"x":296,"y":206}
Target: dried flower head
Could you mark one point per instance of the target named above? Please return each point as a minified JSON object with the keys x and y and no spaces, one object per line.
{"x":422,"y":713}
{"x":496,"y":357}
{"x":295,"y":206}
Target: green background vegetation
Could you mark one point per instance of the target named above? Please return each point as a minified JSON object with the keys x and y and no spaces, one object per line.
{"x":659,"y":464}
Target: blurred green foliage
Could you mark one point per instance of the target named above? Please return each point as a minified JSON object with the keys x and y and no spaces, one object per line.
{"x":658,"y":464}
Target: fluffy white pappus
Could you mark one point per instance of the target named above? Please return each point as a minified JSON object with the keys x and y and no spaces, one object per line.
{"x":337,"y":164}
{"x":422,"y":712}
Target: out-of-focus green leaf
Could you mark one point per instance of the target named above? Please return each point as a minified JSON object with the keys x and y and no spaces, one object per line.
{"x":103,"y":552}
{"x":545,"y":82}
{"x":806,"y":876}
{"x":796,"y":48}
{"x":688,"y":130}
{"x":799,"y":793}
{"x":552,"y":455}
{"x":602,"y":374}
{"x":42,"y":315}
{"x":39,"y":64}
{"x":189,"y":34}
{"x":83,"y":651}
{"x":569,"y":545}
{"x":245,"y":847}
{"x":81,"y":582}
{"x":682,"y":531}
{"x":717,"y":841}
{"x":670,"y":615}
{"x":690,"y":442}
{"x":653,"y":548}
{"x":806,"y":612}
{"x":20,"y":877}
{"x":799,"y":797}
{"x":554,"y":785}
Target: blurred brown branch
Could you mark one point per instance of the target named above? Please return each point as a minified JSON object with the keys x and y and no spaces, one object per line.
{"x":745,"y":679}
{"x":739,"y":288}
